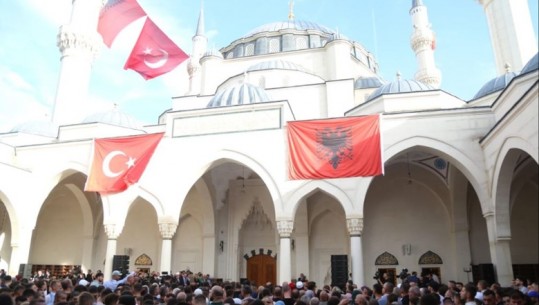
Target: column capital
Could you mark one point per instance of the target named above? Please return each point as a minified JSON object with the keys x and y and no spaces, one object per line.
{"x":71,"y":41}
{"x":112,"y":230}
{"x":285,"y":228}
{"x":355,"y":226}
{"x":167,"y":229}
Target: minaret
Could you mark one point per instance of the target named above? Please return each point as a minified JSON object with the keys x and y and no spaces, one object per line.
{"x":78,"y":42}
{"x":511,"y":32}
{"x":200,"y":46}
{"x":423,"y":43}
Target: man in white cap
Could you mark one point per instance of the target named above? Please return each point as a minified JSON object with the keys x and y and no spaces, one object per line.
{"x":115,"y":281}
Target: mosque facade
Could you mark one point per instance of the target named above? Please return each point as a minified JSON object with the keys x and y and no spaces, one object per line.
{"x":459,"y":196}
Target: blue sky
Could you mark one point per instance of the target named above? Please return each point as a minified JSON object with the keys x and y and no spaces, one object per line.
{"x":31,"y":61}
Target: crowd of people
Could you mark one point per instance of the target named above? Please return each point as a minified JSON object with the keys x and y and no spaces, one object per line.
{"x":187,"y":288}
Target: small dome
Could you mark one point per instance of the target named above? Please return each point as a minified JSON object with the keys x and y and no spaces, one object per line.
{"x":239,"y":94}
{"x":41,"y":128}
{"x":495,"y":84}
{"x":532,"y":65}
{"x":368,"y":82}
{"x":214,"y":52}
{"x":113,"y":117}
{"x":400,"y":86}
{"x":276,"y":64}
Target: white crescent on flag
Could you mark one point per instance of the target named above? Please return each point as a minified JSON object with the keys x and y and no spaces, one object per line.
{"x":106,"y":163}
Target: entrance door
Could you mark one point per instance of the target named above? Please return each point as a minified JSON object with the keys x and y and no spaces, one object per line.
{"x":391,"y":272}
{"x":262,"y":269}
{"x":431,"y":270}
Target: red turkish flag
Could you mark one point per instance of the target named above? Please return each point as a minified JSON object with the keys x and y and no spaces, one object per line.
{"x":335,"y":148}
{"x":115,"y":16}
{"x":154,"y":53}
{"x":119,"y":162}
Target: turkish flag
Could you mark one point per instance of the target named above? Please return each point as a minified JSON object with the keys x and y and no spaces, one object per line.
{"x":115,"y":16}
{"x":154,"y":53}
{"x":119,"y":162}
{"x":335,"y":148}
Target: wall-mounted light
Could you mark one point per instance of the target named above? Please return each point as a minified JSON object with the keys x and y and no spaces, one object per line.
{"x":222,"y":245}
{"x":406,"y":249}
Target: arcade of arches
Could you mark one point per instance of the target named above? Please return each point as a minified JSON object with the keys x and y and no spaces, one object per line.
{"x":424,"y":201}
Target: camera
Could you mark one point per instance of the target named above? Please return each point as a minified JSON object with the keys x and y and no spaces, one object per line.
{"x":404,"y":274}
{"x":376,"y":275}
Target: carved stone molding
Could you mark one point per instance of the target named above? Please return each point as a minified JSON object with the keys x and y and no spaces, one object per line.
{"x":355,"y":226}
{"x":72,"y":41}
{"x":430,"y":258}
{"x":285,"y":228}
{"x":143,"y":260}
{"x":167,"y":229}
{"x":112,"y":230}
{"x":386,"y":258}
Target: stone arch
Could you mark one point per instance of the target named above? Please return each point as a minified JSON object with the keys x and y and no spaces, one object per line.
{"x":320,"y":185}
{"x":47,"y":178}
{"x":87,"y":224}
{"x":240,"y":158}
{"x":12,"y":216}
{"x":151,"y":199}
{"x":463,"y":162}
{"x":502,"y":177}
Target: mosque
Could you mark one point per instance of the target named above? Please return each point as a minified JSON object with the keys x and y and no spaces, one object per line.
{"x":459,"y":196}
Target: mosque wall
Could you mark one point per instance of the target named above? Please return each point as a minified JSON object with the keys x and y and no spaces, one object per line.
{"x":328,"y":236}
{"x":398,"y":212}
{"x":100,"y":248}
{"x":187,"y":246}
{"x":5,"y":238}
{"x":140,"y":234}
{"x":524,"y":230}
{"x":479,"y":244}
{"x":57,"y":235}
{"x":306,"y":101}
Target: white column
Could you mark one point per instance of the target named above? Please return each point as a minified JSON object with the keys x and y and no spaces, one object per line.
{"x":500,"y":251}
{"x":78,"y":42}
{"x":355,"y":227}
{"x":87,"y":252}
{"x":167,"y":232}
{"x":112,"y":231}
{"x":20,"y":249}
{"x":285,"y":227}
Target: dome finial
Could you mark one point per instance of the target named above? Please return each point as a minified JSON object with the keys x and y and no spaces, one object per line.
{"x":507,"y":67}
{"x":291,"y":10}
{"x":398,"y":75}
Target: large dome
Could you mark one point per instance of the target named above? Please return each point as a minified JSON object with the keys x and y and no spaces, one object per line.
{"x":297,"y":25}
{"x":113,"y":117}
{"x":239,"y":94}
{"x":400,"y":86}
{"x":495,"y":84}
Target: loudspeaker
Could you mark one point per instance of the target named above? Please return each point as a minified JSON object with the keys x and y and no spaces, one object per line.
{"x":25,"y":270}
{"x":121,"y":263}
{"x":483,"y":272}
{"x":339,"y":270}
